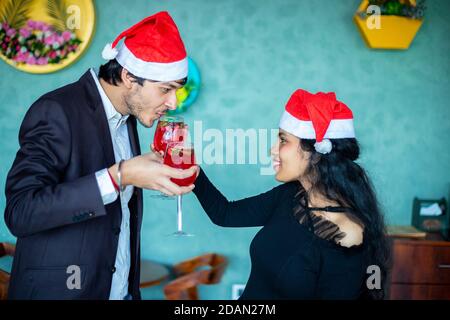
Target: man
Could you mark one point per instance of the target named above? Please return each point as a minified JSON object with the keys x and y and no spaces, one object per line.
{"x":74,"y":192}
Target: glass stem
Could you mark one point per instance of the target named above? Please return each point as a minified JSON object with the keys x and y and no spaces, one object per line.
{"x":179,"y":214}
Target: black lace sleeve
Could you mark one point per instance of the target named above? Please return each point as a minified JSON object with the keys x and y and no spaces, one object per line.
{"x":320,"y":226}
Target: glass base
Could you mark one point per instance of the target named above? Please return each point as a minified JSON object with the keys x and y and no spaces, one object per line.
{"x":181,"y":234}
{"x":162,"y":196}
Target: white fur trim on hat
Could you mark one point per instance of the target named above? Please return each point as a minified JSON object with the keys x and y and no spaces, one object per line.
{"x":338,"y":128}
{"x":109,"y":52}
{"x":323,"y":146}
{"x":152,"y":70}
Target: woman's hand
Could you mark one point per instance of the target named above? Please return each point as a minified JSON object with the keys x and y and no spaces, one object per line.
{"x":147,"y":171}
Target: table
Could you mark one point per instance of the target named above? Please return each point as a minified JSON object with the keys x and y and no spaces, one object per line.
{"x":152,"y":273}
{"x":421,"y":269}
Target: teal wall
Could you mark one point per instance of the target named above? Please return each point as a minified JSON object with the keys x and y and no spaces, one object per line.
{"x":253,"y":54}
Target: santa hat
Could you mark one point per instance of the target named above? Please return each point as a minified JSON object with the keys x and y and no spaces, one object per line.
{"x":317,"y":116}
{"x":152,"y":49}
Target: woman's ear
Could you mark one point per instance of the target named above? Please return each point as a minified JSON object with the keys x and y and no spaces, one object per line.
{"x":315,"y":157}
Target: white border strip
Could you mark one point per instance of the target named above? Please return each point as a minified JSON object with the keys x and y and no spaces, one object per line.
{"x":152,"y":70}
{"x":338,"y":129}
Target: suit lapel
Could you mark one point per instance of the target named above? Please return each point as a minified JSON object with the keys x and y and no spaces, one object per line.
{"x":135,"y":219}
{"x":96,"y":105}
{"x":133,"y":135}
{"x":105,"y":135}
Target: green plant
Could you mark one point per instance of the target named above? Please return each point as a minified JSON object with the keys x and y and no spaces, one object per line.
{"x":15,"y":12}
{"x":57,"y":10}
{"x":395,"y":7}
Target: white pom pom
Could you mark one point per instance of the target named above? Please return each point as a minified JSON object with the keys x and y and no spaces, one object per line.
{"x":324,"y":146}
{"x":109,"y":52}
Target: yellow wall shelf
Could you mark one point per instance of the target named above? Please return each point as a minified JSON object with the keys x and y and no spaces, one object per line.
{"x":395,"y":32}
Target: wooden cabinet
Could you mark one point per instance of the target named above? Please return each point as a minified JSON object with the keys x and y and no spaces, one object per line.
{"x":420,"y":270}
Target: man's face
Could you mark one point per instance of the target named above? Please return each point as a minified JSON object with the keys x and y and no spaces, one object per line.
{"x":151,"y":100}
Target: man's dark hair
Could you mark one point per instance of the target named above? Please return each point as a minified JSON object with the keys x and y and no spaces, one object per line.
{"x":111,"y":73}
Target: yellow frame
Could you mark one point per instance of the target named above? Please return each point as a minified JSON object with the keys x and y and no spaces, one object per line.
{"x":85,"y":34}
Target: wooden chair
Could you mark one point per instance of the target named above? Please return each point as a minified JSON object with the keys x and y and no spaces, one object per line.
{"x":192,"y":273}
{"x":6,"y":249}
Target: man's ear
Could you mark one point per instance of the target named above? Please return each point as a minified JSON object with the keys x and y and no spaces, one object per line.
{"x":126,"y":78}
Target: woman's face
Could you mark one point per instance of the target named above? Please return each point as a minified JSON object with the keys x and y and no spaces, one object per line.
{"x":289,"y":160}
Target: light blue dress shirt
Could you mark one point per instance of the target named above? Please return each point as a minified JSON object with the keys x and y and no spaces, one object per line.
{"x":122,"y":150}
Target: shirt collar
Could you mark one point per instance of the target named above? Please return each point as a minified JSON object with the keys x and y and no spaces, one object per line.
{"x":111,"y":113}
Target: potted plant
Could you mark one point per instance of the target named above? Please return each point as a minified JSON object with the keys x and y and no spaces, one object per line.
{"x":389,"y":24}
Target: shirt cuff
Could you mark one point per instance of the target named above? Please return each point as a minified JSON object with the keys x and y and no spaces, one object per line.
{"x":107,"y":190}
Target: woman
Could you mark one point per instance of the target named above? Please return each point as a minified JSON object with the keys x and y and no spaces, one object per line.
{"x":322,"y":228}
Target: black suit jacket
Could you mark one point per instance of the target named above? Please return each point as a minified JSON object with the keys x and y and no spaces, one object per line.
{"x":53,"y":202}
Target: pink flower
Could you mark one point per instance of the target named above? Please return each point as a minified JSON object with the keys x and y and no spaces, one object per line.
{"x":21,"y":57}
{"x":52,"y":55}
{"x":46,"y":27}
{"x":11,"y":32}
{"x":39,"y":25}
{"x":60,"y":40}
{"x":31,"y":60}
{"x":5,"y":26}
{"x":50,"y":40}
{"x":25,"y":32}
{"x":31,"y":24}
{"x":41,"y":61}
{"x":63,"y":53}
{"x":66,"y":35}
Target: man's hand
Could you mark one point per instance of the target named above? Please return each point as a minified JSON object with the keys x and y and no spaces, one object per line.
{"x":147,"y":171}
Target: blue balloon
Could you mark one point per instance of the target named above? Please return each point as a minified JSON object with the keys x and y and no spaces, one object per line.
{"x":192,"y":87}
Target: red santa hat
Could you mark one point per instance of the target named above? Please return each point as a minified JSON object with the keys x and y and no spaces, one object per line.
{"x":152,"y":49}
{"x":317,"y":116}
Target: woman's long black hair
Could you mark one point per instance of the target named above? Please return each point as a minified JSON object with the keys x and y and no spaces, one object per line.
{"x":338,"y":177}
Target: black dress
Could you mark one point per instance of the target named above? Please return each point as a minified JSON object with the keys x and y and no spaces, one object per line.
{"x":288,"y":258}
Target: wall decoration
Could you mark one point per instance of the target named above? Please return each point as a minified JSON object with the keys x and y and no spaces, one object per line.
{"x":389,"y":24}
{"x":43,"y":36}
{"x":188,"y":94}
